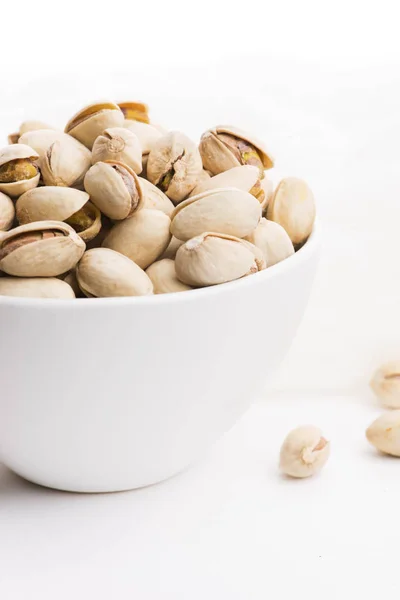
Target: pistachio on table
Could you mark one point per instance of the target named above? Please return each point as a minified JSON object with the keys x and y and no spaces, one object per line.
{"x":163,"y":276}
{"x":36,"y":287}
{"x":273,"y":241}
{"x":304,"y":452}
{"x":18,"y":172}
{"x":384,"y":433}
{"x":25,"y":127}
{"x":87,"y":124}
{"x":135,"y":111}
{"x":118,"y":144}
{"x":386,"y":384}
{"x":7,"y":212}
{"x":154,"y":198}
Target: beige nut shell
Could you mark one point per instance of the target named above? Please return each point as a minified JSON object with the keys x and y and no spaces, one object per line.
{"x":384,"y":433}
{"x":7,"y":212}
{"x":154,"y":198}
{"x":36,"y":287}
{"x":87,"y":124}
{"x":163,"y":275}
{"x":65,"y":163}
{"x":273,"y":241}
{"x":14,"y":152}
{"x":386,"y":384}
{"x":172,"y":248}
{"x":304,"y":452}
{"x":118,"y":144}
{"x":244,"y":177}
{"x":147,"y":134}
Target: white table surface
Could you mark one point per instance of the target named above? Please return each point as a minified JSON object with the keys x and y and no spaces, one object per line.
{"x":230,"y":528}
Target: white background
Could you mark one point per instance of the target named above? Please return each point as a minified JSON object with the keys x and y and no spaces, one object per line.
{"x":321,"y":83}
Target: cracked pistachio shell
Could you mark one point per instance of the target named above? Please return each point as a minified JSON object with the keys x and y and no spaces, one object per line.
{"x":142,"y":238}
{"x":293,"y":207}
{"x":7,"y":212}
{"x":114,"y":188}
{"x":384,"y":433}
{"x":118,"y":144}
{"x":40,"y":140}
{"x":213,"y":258}
{"x":386,"y":384}
{"x":36,"y":287}
{"x":304,"y":452}
{"x":174,"y":165}
{"x":154,"y":198}
{"x":18,"y":173}
{"x":40,"y":249}
{"x":245,"y":177}
{"x":172,"y":248}
{"x":92,"y":120}
{"x":224,"y":147}
{"x":65,"y":163}
{"x":25,"y":127}
{"x":163,"y":276}
{"x":135,"y":111}
{"x":103,"y":273}
{"x":272,"y":240}
{"x":227,"y":210}
{"x":147,"y":134}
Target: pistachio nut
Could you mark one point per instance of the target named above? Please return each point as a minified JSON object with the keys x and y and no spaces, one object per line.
{"x":87,"y":124}
{"x":384,"y":433}
{"x":226,"y":210}
{"x":386,"y":384}
{"x":224,"y":147}
{"x":273,"y":241}
{"x":106,"y":226}
{"x":245,"y":177}
{"x":72,"y":280}
{"x":60,"y":204}
{"x":163,"y":276}
{"x":142,"y":238}
{"x":154,"y":198}
{"x":135,"y":111}
{"x":118,"y":144}
{"x":213,"y":258}
{"x":103,"y":273}
{"x":304,"y":452}
{"x":7,"y":212}
{"x":293,"y":207}
{"x":42,"y":249}
{"x":41,"y":139}
{"x":36,"y":287}
{"x":174,"y":165}
{"x":25,"y":127}
{"x":18,"y":173}
{"x":266,"y":196}
{"x":114,"y":188}
{"x":147,"y":134}
{"x":65,"y":163}
{"x":172,"y":248}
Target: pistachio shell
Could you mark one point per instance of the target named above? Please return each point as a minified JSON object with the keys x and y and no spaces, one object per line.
{"x":92,"y":120}
{"x":106,"y":226}
{"x":7,"y":212}
{"x":293,"y":207}
{"x":243,"y":178}
{"x":154,"y":198}
{"x":65,"y":163}
{"x":136,"y":111}
{"x":163,"y":276}
{"x":386,"y":384}
{"x":118,"y":144}
{"x":40,"y":140}
{"x":273,"y":241}
{"x":174,"y":165}
{"x":114,"y":188}
{"x":304,"y":452}
{"x":49,"y":203}
{"x":36,"y":287}
{"x":147,"y":134}
{"x":19,"y":159}
{"x":25,"y":127}
{"x":73,"y":282}
{"x":40,"y":249}
{"x":227,"y":210}
{"x":172,"y":248}
{"x":86,"y":222}
{"x":213,"y":258}
{"x":268,"y":189}
{"x":142,"y":238}
{"x":103,"y":273}
{"x":384,"y":433}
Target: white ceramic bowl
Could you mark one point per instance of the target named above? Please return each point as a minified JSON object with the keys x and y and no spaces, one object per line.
{"x":111,"y":394}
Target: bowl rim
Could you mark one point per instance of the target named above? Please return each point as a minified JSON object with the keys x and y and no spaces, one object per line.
{"x":288,"y":264}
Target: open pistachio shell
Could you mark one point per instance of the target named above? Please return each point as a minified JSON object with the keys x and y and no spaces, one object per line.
{"x":18,"y":173}
{"x":118,"y":144}
{"x":245,"y":177}
{"x":213,"y":258}
{"x":154,"y":198}
{"x":174,"y":165}
{"x":65,"y":163}
{"x":7,"y":212}
{"x":135,"y":111}
{"x":147,"y":134}
{"x":103,"y":273}
{"x":163,"y":276}
{"x":272,"y":240}
{"x":293,"y":207}
{"x":40,"y":249}
{"x":142,"y":238}
{"x":114,"y":188}
{"x":172,"y":248}
{"x":92,"y":120}
{"x":36,"y":287}
{"x":227,"y":210}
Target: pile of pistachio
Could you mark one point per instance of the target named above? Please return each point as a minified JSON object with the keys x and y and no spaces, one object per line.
{"x":117,"y":206}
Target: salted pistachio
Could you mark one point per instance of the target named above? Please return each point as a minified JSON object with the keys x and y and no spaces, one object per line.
{"x":40,"y":249}
{"x":172,"y":248}
{"x":384,"y":433}
{"x":118,"y":144}
{"x":245,"y":177}
{"x":386,"y":384}
{"x":65,"y":163}
{"x":163,"y":276}
{"x":114,"y":188}
{"x":147,"y":134}
{"x":36,"y":287}
{"x":18,"y":173}
{"x":174,"y":165}
{"x":224,"y":147}
{"x":213,"y":258}
{"x":87,"y":124}
{"x":7,"y":212}
{"x":154,"y":198}
{"x":226,"y":210}
{"x":293,"y":207}
{"x":273,"y":241}
{"x":25,"y":127}
{"x":304,"y":452}
{"x":142,"y":238}
{"x":135,"y":111}
{"x":103,"y":273}
{"x":72,"y":280}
